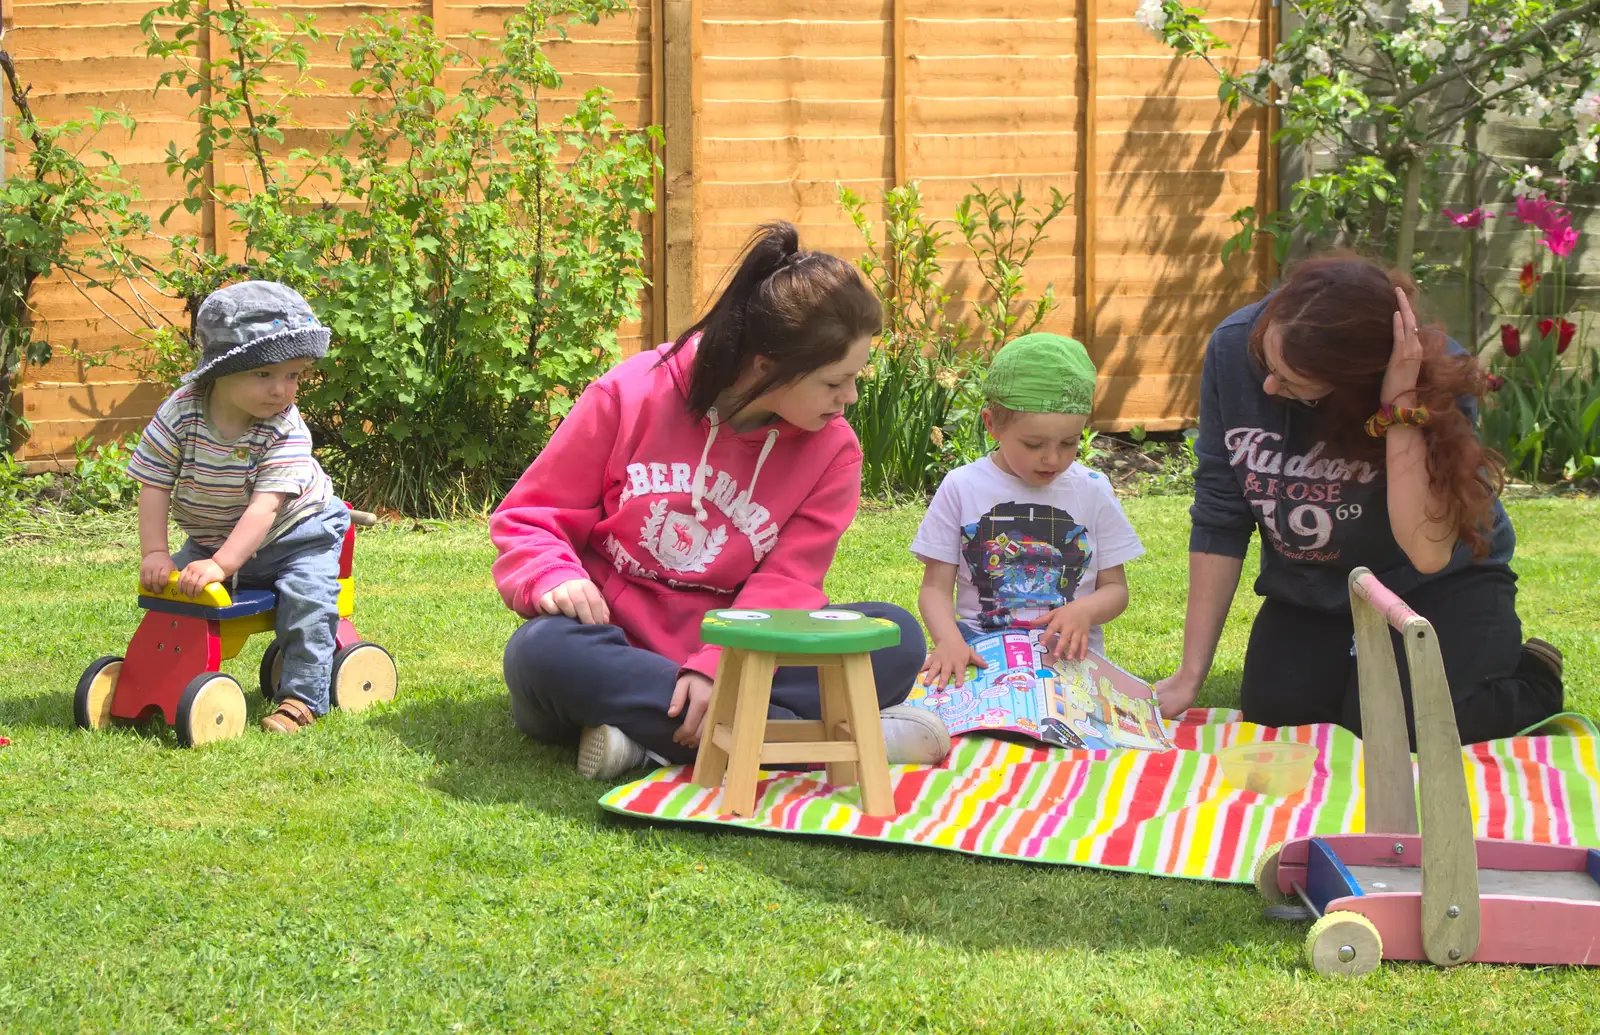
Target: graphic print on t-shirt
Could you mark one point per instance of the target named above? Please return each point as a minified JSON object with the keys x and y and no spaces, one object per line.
{"x":1024,"y":557}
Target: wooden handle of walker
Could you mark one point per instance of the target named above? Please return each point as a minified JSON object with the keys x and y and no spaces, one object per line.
{"x":364,"y":518}
{"x":1383,"y":600}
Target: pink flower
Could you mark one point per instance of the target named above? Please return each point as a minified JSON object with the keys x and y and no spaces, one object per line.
{"x":1467,"y":220}
{"x":5,"y":742}
{"x":1510,"y":340}
{"x":1495,"y":382}
{"x":1561,"y":240}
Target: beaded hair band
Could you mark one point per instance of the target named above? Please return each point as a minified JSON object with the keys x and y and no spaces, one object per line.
{"x":1389,"y":416}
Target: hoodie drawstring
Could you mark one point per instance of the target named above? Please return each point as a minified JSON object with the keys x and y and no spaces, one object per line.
{"x":699,"y":485}
{"x":766,"y":448}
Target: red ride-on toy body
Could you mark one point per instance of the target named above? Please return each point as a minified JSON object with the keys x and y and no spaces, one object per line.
{"x":173,"y":663}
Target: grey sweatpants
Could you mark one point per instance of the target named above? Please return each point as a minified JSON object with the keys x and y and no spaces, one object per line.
{"x":564,"y":675}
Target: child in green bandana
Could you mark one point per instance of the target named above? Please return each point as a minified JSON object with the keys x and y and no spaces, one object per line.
{"x":1025,"y":536}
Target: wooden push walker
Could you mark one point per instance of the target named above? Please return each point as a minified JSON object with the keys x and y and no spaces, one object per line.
{"x":738,"y":736}
{"x":1442,"y":896}
{"x":173,"y":664}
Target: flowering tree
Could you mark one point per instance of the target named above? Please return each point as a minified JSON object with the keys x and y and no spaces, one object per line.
{"x":1390,"y":89}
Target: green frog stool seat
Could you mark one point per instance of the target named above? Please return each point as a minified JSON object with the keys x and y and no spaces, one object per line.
{"x":739,"y":737}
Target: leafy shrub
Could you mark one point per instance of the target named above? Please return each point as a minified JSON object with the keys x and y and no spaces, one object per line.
{"x":100,"y":478}
{"x":473,"y":260}
{"x":54,"y":197}
{"x":921,"y":399}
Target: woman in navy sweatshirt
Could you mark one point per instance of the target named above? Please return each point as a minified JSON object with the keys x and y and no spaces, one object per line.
{"x":1347,"y":434}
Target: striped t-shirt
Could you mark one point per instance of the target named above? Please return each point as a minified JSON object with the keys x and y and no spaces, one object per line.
{"x":211,"y":481}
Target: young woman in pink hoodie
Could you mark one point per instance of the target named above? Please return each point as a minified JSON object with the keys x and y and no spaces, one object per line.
{"x":715,"y":471}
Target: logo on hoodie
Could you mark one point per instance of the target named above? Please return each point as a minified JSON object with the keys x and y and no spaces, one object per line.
{"x":679,"y":542}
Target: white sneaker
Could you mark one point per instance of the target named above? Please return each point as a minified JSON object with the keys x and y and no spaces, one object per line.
{"x":605,"y":753}
{"x":914,"y":736}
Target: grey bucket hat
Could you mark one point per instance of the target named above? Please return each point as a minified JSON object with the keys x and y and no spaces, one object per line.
{"x":254,"y":324}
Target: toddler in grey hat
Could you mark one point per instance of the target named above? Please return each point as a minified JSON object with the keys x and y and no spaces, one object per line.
{"x":228,"y":458}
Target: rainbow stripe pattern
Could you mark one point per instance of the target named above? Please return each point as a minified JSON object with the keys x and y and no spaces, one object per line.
{"x":1166,"y":814}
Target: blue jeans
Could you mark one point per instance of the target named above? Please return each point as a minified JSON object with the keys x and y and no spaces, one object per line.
{"x":302,"y":566}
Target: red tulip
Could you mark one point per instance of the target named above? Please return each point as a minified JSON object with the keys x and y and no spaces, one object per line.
{"x":1528,"y":279}
{"x":1565,"y":337}
{"x":1510,"y":340}
{"x":1495,"y":382}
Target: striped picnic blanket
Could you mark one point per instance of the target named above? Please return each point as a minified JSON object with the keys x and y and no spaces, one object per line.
{"x":1167,"y":814}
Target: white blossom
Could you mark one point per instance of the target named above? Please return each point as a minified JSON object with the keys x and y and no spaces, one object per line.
{"x":1586,"y":112}
{"x":1426,"y":9}
{"x":1151,"y":15}
{"x":1585,"y":149}
{"x":1535,"y":105}
{"x":1280,"y":74}
{"x":1319,"y":59}
{"x":1462,"y":51}
{"x":1433,"y":50}
{"x":1527,"y":182}
{"x":1404,"y":41}
{"x":1374,"y":12}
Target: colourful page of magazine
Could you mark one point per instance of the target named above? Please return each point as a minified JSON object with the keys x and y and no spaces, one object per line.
{"x":1089,"y":704}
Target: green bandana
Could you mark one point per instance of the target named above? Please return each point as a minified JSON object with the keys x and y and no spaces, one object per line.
{"x":1041,"y":373}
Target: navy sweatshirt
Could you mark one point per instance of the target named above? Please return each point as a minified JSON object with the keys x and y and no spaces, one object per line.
{"x":1262,"y":465}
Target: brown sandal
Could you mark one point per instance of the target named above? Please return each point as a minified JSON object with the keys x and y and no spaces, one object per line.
{"x":291,"y":716}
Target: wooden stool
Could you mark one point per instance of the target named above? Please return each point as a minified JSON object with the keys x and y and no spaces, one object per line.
{"x":738,"y":736}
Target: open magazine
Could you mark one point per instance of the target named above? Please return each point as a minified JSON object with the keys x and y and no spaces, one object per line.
{"x":1089,"y":704}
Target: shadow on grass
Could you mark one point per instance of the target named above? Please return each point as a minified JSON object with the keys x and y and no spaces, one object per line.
{"x":976,"y":903}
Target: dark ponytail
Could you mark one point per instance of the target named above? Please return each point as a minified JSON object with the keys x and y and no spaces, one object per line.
{"x":802,"y":310}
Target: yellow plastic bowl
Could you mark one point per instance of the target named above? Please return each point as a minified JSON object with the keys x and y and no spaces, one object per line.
{"x":1277,"y":768}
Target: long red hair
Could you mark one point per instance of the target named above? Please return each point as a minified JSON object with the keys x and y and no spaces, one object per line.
{"x":1335,"y":315}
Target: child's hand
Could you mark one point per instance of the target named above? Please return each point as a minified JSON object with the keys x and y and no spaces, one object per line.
{"x":1066,"y":632}
{"x":577,"y":598}
{"x":693,"y":690}
{"x":198,"y":575}
{"x":156,"y":571}
{"x":948,"y":664}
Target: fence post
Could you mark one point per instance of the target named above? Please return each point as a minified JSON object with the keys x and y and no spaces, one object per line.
{"x":1267,"y":189}
{"x":658,"y":219}
{"x":1088,"y":176}
{"x":213,"y":216}
{"x":680,"y":45}
{"x":898,"y":115}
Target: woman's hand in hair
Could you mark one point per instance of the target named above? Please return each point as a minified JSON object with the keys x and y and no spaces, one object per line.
{"x":690,"y":697}
{"x":1405,"y":362}
{"x":577,"y":598}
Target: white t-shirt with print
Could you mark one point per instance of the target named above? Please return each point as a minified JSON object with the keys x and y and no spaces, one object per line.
{"x":1021,"y":550}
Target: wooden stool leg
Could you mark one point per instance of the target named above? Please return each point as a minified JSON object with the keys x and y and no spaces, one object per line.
{"x":872,"y":771}
{"x":835,"y":710}
{"x":711,"y":761}
{"x":754,"y":695}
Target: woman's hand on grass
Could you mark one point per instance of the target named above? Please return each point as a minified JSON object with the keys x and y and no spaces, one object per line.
{"x":577,"y":598}
{"x":947,"y":664}
{"x":1176,"y":693}
{"x":691,"y":696}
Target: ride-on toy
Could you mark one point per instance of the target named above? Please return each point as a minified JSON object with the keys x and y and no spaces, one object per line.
{"x":1441,"y":896}
{"x":173,"y":664}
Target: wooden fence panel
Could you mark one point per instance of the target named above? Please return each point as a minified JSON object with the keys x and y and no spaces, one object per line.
{"x":769,"y":106}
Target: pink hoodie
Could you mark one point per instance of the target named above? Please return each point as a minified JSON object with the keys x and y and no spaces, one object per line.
{"x":672,"y":516}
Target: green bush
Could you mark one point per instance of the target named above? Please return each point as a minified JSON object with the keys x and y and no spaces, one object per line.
{"x":921,"y":399}
{"x":472,"y":259}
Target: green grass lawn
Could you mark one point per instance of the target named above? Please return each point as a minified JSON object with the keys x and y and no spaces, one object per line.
{"x":422,"y":868}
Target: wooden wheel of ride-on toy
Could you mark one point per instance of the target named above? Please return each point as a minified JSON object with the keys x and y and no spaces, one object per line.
{"x":1265,"y":876}
{"x":91,"y":702}
{"x":212,"y":708}
{"x":363,"y":675}
{"x":271,"y":671}
{"x":1344,"y":945}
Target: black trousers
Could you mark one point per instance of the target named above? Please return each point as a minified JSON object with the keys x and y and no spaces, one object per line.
{"x":1301,"y":667}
